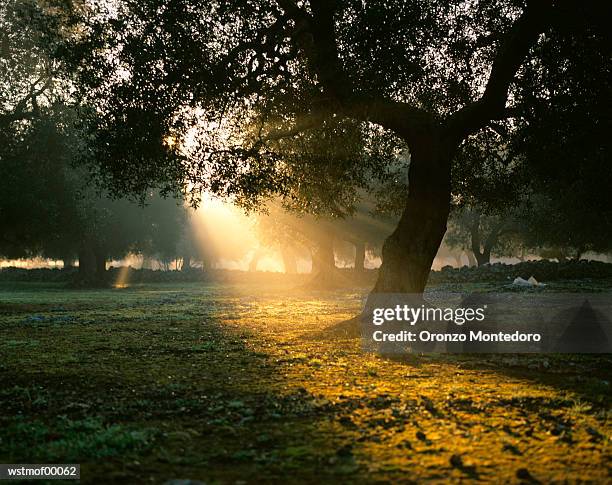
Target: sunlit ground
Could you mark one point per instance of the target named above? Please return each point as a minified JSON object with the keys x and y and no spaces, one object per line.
{"x":236,"y":382}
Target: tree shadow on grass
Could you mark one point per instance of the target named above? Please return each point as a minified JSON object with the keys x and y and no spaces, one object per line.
{"x":223,"y":400}
{"x":586,"y":375}
{"x":158,"y":385}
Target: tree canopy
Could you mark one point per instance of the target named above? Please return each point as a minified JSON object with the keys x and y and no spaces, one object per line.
{"x":261,"y":82}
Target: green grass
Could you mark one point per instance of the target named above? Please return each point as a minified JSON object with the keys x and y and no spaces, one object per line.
{"x":235,"y":382}
{"x":67,"y":440}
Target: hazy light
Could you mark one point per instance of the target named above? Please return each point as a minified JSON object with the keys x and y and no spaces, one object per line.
{"x":227,"y":234}
{"x":122,"y":278}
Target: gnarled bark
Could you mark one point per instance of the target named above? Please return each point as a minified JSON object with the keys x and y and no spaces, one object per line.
{"x":409,"y":252}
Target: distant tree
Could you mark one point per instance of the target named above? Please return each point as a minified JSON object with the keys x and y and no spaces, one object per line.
{"x":116,"y":227}
{"x":47,"y":207}
{"x":187,"y":246}
{"x":366,"y":229}
{"x":291,"y":232}
{"x":282,"y":231}
{"x":38,"y":204}
{"x":483,"y":235}
{"x":32,"y":153}
{"x":166,"y":220}
{"x":566,"y":224}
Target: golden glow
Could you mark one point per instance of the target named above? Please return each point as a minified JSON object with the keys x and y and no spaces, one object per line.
{"x":122,"y":278}
{"x":271,"y":262}
{"x":227,"y":234}
{"x":30,"y":263}
{"x":170,"y":141}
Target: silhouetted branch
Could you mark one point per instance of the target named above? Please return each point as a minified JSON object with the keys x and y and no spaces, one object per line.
{"x":20,"y":113}
{"x":316,"y":37}
{"x":510,"y":55}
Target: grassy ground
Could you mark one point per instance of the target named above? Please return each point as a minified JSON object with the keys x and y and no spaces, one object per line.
{"x":235,"y":384}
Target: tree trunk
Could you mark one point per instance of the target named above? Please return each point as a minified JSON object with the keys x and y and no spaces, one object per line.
{"x":471,"y":259}
{"x":325,"y":274}
{"x":483,"y":258}
{"x":67,"y":261}
{"x":92,"y":264}
{"x":255,"y":260}
{"x":87,"y":261}
{"x":206,"y":264}
{"x":409,"y":252}
{"x":146,"y":262}
{"x":324,"y":261}
{"x":313,"y":259}
{"x":289,"y":260}
{"x":458,"y":261}
{"x":186,"y":263}
{"x":360,"y":253}
{"x":100,"y":263}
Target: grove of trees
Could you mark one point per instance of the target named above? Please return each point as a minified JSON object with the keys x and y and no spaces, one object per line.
{"x":496,"y":110}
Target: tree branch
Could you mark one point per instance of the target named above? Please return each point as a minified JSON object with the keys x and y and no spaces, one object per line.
{"x":317,"y":38}
{"x":303,"y":123}
{"x":510,"y":55}
{"x":404,"y":119}
{"x":20,"y":113}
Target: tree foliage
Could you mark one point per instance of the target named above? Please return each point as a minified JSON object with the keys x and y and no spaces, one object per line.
{"x":277,"y":97}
